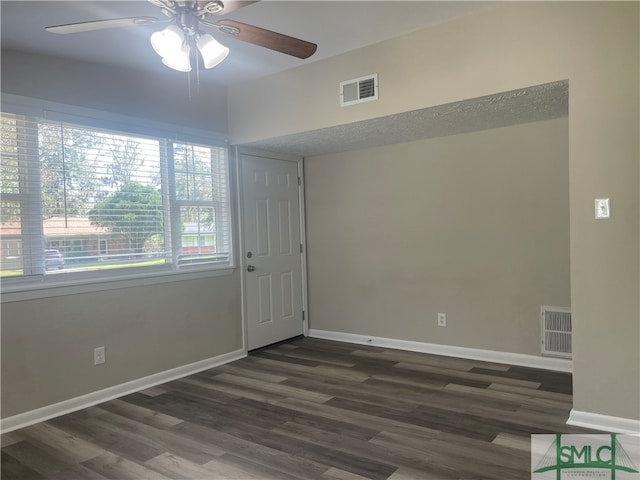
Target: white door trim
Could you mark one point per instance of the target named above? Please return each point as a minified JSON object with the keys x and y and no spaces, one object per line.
{"x":303,"y":241}
{"x":237,"y":152}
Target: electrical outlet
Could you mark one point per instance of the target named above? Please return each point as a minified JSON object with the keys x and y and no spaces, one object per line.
{"x":602,"y":208}
{"x":442,"y":319}
{"x":98,"y":356}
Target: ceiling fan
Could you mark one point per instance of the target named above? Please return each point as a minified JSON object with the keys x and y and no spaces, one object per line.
{"x":178,"y":43}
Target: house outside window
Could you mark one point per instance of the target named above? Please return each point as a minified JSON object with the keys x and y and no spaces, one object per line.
{"x":108,"y":199}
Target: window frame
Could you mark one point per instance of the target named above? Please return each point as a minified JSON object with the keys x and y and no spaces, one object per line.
{"x":38,"y":285}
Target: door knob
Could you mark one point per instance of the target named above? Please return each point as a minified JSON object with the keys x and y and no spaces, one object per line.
{"x":251,"y":268}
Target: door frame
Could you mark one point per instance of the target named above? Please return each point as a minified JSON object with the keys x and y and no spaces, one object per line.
{"x":237,"y":152}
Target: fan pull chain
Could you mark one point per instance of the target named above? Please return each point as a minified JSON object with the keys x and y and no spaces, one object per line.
{"x":197,"y":72}
{"x":189,"y":84}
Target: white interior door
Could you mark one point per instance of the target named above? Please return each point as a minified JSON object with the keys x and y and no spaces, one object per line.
{"x":272,"y":258}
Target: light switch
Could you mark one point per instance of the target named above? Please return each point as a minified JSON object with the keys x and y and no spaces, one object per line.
{"x":602,"y":208}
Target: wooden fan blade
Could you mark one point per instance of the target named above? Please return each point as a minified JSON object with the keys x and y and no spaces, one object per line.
{"x":100,"y":24}
{"x":266,"y":38}
{"x":229,"y":5}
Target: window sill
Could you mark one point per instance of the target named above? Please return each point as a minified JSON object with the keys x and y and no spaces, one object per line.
{"x":56,"y":287}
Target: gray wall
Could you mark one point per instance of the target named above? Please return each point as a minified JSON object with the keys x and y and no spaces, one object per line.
{"x":595,"y":45}
{"x":47,"y":344}
{"x":473,"y":225}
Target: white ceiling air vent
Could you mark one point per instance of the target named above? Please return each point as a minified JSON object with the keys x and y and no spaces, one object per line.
{"x":358,"y":90}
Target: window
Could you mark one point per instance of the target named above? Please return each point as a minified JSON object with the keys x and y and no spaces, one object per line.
{"x":108,"y":200}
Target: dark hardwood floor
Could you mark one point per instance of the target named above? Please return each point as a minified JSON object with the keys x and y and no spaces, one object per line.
{"x":308,"y":409}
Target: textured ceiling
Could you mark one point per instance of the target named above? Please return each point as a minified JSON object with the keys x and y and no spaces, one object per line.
{"x":532,"y":104}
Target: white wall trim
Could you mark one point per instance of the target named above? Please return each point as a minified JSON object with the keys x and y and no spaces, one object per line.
{"x":533,"y":361}
{"x":606,"y":423}
{"x":303,"y":256}
{"x":77,"y":403}
{"x":79,"y":283}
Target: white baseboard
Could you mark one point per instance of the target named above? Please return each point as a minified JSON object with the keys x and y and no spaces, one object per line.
{"x":77,"y":403}
{"x":533,"y":361}
{"x":606,"y":423}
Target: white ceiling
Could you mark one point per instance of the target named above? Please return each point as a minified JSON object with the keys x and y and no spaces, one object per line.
{"x":336,"y":26}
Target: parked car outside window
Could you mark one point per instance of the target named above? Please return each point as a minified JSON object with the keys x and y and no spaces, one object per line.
{"x":53,"y":259}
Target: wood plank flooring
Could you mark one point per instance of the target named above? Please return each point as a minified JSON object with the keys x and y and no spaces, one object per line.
{"x":308,"y":409}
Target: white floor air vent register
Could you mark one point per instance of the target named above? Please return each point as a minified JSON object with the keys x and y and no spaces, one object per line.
{"x":556,"y":331}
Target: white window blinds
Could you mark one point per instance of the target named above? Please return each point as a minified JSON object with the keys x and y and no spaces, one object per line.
{"x":77,"y":198}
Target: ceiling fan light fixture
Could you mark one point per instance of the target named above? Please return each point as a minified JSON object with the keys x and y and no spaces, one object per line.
{"x":171,"y":46}
{"x":178,"y":60}
{"x":168,"y":41}
{"x":211,"y":50}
